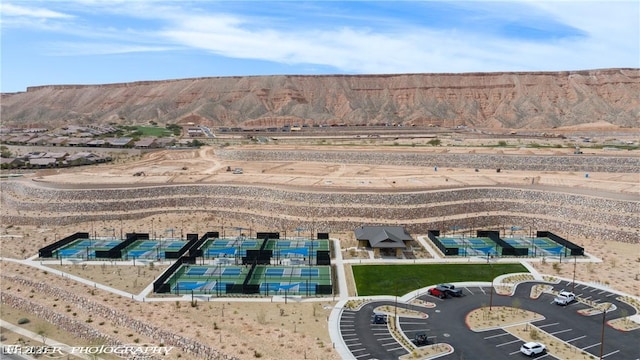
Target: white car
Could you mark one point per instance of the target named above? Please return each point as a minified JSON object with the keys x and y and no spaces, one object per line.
{"x":532,"y":348}
{"x":564,"y":298}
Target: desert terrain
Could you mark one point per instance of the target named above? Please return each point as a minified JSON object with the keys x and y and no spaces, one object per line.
{"x":286,"y":187}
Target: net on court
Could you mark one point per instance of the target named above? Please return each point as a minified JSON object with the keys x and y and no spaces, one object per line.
{"x":207,"y":279}
{"x":291,"y":280}
{"x":300,"y":249}
{"x":229,"y":248}
{"x":472,"y":246}
{"x":538,"y":246}
{"x":151,"y":249}
{"x":85,"y":248}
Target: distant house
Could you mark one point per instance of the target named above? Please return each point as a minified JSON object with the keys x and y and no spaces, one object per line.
{"x":384,"y":240}
{"x":96,"y":143}
{"x":20,"y":140}
{"x":76,"y":141}
{"x":11,"y":163}
{"x":120,"y":142}
{"x":56,"y":155}
{"x":145,"y":143}
{"x":84,"y":158}
{"x":165,"y":141}
{"x":195,"y":132}
{"x":58,"y":141}
{"x":39,"y":141}
{"x":43,"y":162}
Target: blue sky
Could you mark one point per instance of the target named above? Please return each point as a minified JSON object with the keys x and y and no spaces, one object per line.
{"x":47,"y":42}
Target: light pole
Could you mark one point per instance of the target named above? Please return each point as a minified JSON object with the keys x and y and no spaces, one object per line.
{"x":491,"y":290}
{"x":604,"y":314}
{"x":573,"y":284}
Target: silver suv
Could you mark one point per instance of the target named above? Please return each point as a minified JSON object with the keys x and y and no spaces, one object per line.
{"x":564,"y":298}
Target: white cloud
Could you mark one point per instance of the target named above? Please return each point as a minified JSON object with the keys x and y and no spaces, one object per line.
{"x":102,"y":48}
{"x":22,"y":11}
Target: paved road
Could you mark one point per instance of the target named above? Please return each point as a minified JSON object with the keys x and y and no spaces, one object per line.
{"x":446,"y":323}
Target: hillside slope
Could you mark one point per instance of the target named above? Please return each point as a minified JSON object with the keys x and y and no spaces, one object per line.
{"x":521,"y":100}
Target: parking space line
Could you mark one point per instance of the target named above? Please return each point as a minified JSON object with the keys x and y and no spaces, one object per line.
{"x":611,"y":353}
{"x":495,"y":336}
{"x":594,"y":289}
{"x":602,"y":292}
{"x":354,"y":350}
{"x":578,"y":338}
{"x":471,"y":292}
{"x":587,"y":298}
{"x":359,"y":356}
{"x":610,"y":294}
{"x":413,"y":323}
{"x":389,"y":344}
{"x":515,"y":352}
{"x":585,"y":287}
{"x":481,"y":289}
{"x":387,"y":338}
{"x":545,"y":325}
{"x":510,"y":342}
{"x":590,"y":346}
{"x":560,"y":331}
{"x":347,"y":325}
{"x":397,"y":348}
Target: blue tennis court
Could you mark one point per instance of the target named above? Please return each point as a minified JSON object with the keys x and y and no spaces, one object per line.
{"x":147,"y":244}
{"x":274,"y":272}
{"x":137,"y":254}
{"x":200,"y":286}
{"x":71,"y":252}
{"x":294,"y":287}
{"x":197,"y":271}
{"x":221,"y":252}
{"x":310,"y":272}
{"x":293,"y":252}
{"x":231,"y":271}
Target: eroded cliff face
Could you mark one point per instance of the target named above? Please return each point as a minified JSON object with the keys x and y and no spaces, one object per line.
{"x":483,"y":100}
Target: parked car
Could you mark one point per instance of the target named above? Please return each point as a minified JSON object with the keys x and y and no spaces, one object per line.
{"x":564,"y":298}
{"x":438,"y":291}
{"x":532,"y":348}
{"x":420,"y":339}
{"x":379,"y":319}
{"x":451,"y":290}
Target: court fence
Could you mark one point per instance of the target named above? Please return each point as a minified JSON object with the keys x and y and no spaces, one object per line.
{"x":116,"y":251}
{"x":47,"y":251}
{"x":575,"y":249}
{"x":506,"y":248}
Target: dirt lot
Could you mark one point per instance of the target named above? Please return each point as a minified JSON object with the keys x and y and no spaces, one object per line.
{"x":270,"y":330}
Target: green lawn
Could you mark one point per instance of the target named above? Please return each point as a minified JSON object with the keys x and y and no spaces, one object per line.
{"x":401,"y":279}
{"x":153,"y":131}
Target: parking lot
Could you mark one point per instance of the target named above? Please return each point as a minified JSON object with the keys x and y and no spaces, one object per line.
{"x":445,"y":323}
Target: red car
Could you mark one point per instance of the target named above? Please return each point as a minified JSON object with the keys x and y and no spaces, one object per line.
{"x":436,"y":291}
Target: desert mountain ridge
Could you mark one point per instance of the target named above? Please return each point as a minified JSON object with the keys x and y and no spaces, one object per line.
{"x":508,"y":100}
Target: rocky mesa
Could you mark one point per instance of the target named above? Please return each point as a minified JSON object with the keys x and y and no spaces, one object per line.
{"x":518,"y":100}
